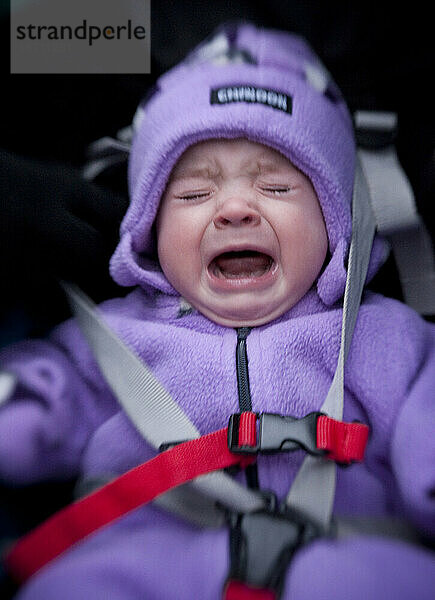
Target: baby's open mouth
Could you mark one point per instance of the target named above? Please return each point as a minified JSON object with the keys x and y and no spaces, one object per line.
{"x":243,"y":264}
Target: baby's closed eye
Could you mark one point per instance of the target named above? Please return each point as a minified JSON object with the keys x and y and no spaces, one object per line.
{"x":276,"y":189}
{"x":193,"y":195}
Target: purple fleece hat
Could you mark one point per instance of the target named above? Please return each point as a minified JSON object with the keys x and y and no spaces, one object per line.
{"x":264,"y":85}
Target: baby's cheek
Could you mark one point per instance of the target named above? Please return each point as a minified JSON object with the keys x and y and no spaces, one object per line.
{"x":178,"y":262}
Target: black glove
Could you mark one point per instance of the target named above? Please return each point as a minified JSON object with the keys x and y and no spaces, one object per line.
{"x":54,"y":225}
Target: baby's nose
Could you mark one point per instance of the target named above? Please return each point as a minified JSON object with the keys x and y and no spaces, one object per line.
{"x":236,"y":212}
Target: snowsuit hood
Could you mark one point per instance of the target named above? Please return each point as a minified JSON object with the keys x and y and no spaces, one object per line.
{"x":264,"y":85}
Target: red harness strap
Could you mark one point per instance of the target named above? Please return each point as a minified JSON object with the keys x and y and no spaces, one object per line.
{"x":129,"y":491}
{"x":142,"y":484}
{"x":344,"y":442}
{"x":236,"y":590}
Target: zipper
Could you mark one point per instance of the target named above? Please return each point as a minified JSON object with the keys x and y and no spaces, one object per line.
{"x":244,"y":392}
{"x":245,"y":402}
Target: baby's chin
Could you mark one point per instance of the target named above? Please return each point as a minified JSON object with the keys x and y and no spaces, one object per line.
{"x":251,"y":316}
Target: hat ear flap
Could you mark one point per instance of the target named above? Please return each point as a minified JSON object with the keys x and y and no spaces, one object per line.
{"x":130,"y":268}
{"x":331,"y":283}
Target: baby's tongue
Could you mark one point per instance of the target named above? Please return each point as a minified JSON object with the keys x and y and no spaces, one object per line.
{"x":247,"y":263}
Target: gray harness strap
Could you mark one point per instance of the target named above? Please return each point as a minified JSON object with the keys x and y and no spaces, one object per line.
{"x":396,"y":214}
{"x":313,"y":489}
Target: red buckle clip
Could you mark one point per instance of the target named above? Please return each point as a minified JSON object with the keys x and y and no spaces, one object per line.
{"x":316,"y":433}
{"x":344,"y":442}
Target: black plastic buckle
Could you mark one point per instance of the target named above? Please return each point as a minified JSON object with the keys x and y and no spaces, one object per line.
{"x":278,"y":433}
{"x":263,"y":543}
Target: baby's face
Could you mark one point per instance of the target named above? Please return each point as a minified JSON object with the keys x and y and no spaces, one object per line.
{"x":240,"y":232}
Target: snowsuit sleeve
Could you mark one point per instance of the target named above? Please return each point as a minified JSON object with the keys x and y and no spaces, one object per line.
{"x":413,"y":443}
{"x":391,"y":369}
{"x":58,"y":400}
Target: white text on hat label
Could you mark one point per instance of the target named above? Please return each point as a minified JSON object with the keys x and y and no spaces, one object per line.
{"x":251,"y":94}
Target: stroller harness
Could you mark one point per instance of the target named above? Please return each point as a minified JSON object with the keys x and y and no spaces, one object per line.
{"x":235,"y":445}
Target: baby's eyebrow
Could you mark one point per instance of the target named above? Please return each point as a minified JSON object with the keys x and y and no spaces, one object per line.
{"x":264,"y":166}
{"x":260,"y":166}
{"x":204,"y":171}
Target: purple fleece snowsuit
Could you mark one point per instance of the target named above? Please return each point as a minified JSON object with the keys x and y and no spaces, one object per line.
{"x":62,"y":420}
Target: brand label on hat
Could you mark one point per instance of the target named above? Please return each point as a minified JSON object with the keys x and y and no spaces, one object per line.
{"x":252,"y":95}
